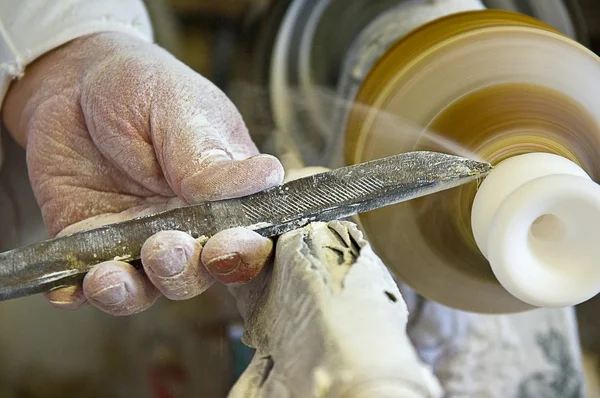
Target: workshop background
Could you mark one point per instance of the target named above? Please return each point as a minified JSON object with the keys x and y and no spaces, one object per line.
{"x":192,"y":348}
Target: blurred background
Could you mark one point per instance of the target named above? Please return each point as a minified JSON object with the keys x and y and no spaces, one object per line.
{"x":192,"y":348}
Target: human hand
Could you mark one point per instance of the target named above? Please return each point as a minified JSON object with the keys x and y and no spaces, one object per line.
{"x":117,"y":128}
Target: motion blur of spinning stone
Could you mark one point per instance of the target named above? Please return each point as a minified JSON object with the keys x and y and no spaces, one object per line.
{"x":328,"y":83}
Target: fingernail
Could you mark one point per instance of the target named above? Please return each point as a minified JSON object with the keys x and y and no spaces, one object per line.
{"x":224,"y":265}
{"x":68,"y":298}
{"x":168,"y":263}
{"x":111,"y":295}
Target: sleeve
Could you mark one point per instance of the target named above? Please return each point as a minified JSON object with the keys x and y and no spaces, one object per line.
{"x":31,"y":28}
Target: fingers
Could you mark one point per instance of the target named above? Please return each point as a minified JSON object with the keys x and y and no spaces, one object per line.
{"x":175,"y":265}
{"x":118,"y":288}
{"x":172,"y":262}
{"x":172,"y":267}
{"x":236,"y":255}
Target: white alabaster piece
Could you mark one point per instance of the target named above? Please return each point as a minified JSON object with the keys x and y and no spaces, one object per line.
{"x":536,"y":218}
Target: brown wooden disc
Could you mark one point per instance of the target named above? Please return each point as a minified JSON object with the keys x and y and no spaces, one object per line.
{"x":485,"y":84}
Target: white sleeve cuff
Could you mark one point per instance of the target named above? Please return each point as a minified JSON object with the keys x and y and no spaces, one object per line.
{"x":31,"y":28}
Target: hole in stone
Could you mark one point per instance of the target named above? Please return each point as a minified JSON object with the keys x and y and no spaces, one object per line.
{"x":564,"y":241}
{"x":548,"y":228}
{"x":391,"y":297}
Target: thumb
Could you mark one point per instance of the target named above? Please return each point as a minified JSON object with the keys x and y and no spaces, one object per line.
{"x":222,"y":178}
{"x":204,"y":147}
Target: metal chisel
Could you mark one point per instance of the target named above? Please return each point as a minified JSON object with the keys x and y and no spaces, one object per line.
{"x":328,"y":196}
